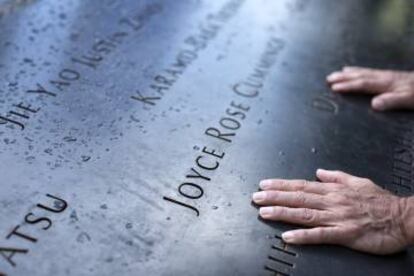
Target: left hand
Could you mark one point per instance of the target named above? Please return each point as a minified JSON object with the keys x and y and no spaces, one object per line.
{"x":342,"y":209}
{"x":392,"y":89}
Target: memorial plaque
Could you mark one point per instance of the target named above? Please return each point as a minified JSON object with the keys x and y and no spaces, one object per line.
{"x":133,"y":133}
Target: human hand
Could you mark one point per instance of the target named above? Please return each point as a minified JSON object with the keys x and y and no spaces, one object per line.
{"x":393,"y":89}
{"x":342,"y":209}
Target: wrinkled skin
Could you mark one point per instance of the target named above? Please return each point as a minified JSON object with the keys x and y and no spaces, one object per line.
{"x":391,"y":89}
{"x":341,"y":209}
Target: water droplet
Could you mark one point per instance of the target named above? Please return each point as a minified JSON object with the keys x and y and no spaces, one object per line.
{"x":69,"y":139}
{"x":74,"y":216}
{"x":85,"y":158}
{"x":128,"y":225}
{"x":83,"y":237}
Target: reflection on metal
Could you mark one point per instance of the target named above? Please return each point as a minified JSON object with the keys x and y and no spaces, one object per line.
{"x":132,"y":133}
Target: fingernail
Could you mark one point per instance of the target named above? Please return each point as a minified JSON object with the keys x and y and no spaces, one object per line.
{"x":328,"y":78}
{"x":259,"y":196}
{"x":264,"y":184}
{"x":378,"y":104}
{"x":266,"y":212}
{"x":287,"y":236}
{"x":332,"y":77}
{"x":337,"y":86}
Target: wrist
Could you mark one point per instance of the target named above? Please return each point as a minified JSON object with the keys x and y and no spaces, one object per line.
{"x":406,"y":210}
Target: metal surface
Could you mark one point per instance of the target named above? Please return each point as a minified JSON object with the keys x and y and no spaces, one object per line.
{"x":134,"y":132}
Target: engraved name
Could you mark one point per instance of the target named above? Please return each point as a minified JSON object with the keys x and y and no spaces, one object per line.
{"x":19,"y":238}
{"x":192,"y":46}
{"x":19,"y":113}
{"x":402,"y":163}
{"x":226,"y":129}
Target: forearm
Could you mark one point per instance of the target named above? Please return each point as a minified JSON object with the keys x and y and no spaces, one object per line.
{"x":407,"y":218}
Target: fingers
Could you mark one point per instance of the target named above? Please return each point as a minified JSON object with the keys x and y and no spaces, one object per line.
{"x":293,"y":185}
{"x":320,"y":188}
{"x":302,"y":216}
{"x":386,"y":82}
{"x":358,"y":68}
{"x":333,"y":176}
{"x":356,"y":79}
{"x":362,"y":84}
{"x":350,"y":73}
{"x":318,"y":235}
{"x":337,"y":77}
{"x":390,"y":101}
{"x":289,"y":199}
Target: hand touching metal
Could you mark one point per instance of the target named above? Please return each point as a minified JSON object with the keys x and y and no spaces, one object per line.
{"x":341,"y":209}
{"x":393,"y":89}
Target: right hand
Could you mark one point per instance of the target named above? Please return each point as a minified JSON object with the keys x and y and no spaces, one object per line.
{"x":341,"y":209}
{"x":393,"y":89}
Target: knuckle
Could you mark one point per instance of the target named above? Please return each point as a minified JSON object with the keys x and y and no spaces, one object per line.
{"x":341,"y":177}
{"x":280,"y":211}
{"x":321,"y":234}
{"x":338,"y":199}
{"x":347,"y":212}
{"x":271,"y":195}
{"x":361,"y":83}
{"x":336,"y":179}
{"x":336,"y":188}
{"x":283,"y":184}
{"x":273,"y":183}
{"x":307,"y":215}
{"x":328,"y":236}
{"x":362,"y":181}
{"x":301,"y":184}
{"x":303,"y":235}
{"x":358,"y":74}
{"x":300,"y":198}
{"x":352,"y":231}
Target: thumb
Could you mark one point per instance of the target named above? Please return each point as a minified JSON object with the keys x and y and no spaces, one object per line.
{"x":392,"y":100}
{"x":333,"y":176}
